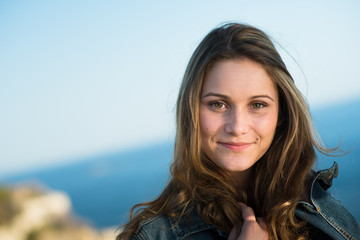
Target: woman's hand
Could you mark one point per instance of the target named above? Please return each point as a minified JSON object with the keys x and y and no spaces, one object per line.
{"x":252,"y":228}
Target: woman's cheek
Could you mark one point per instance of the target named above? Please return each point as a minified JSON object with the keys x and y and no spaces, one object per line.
{"x":266,"y":123}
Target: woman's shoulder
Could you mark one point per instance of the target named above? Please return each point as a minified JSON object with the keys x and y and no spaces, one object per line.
{"x":157,"y":227}
{"x":188,"y":227}
{"x":324,"y":212}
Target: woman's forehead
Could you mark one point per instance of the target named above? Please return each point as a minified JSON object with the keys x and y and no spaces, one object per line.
{"x":238,"y":76}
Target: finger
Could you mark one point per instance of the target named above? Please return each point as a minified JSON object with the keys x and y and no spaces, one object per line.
{"x":247,"y":212}
{"x":232,"y":235}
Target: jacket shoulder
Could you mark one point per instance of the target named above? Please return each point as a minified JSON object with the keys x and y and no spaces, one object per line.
{"x":324,"y":212}
{"x":186,"y":228}
{"x":158,"y":227}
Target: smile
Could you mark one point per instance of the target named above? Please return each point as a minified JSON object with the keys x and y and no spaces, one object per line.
{"x":236,"y":147}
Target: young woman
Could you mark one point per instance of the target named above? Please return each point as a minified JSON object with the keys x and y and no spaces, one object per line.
{"x":244,"y":152}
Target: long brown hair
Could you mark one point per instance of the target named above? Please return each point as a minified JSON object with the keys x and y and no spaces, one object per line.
{"x":278,"y":178}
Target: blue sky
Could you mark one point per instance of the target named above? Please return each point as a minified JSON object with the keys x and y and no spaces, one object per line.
{"x":79,"y":78}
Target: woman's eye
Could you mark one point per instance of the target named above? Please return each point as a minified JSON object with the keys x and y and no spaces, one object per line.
{"x":258,"y":105}
{"x":218,"y":105}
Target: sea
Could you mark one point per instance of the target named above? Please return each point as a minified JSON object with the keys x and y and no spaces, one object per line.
{"x":103,"y":188}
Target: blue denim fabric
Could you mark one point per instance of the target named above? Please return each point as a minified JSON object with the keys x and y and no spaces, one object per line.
{"x":326,"y":213}
{"x":163,"y":227}
{"x":326,"y":216}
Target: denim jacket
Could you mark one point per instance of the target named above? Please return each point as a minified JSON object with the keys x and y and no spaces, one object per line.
{"x":326,"y":218}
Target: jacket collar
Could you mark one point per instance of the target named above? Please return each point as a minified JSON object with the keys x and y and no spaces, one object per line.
{"x":326,"y":176}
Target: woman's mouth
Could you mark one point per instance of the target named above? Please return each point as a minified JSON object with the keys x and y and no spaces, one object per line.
{"x":236,"y":147}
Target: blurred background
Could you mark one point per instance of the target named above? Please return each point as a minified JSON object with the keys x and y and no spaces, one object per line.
{"x":88,"y":89}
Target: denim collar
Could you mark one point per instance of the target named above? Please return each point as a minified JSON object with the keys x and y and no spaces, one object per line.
{"x":324,"y":212}
{"x":326,"y":176}
{"x":323,"y":179}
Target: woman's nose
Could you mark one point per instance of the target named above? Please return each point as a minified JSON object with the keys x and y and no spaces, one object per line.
{"x":237,"y":122}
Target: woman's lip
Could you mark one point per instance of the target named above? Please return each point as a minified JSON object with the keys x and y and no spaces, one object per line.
{"x":235,"y":146}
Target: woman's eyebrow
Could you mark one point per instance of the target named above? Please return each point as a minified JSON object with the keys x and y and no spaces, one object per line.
{"x":211,"y":94}
{"x":263,"y":96}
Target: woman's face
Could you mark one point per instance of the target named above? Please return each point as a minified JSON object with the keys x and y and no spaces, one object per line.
{"x":238,"y":114}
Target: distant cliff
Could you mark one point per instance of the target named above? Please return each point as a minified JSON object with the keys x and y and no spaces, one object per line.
{"x":31,"y":213}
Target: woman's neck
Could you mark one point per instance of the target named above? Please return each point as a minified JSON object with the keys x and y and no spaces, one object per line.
{"x":241,"y":179}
